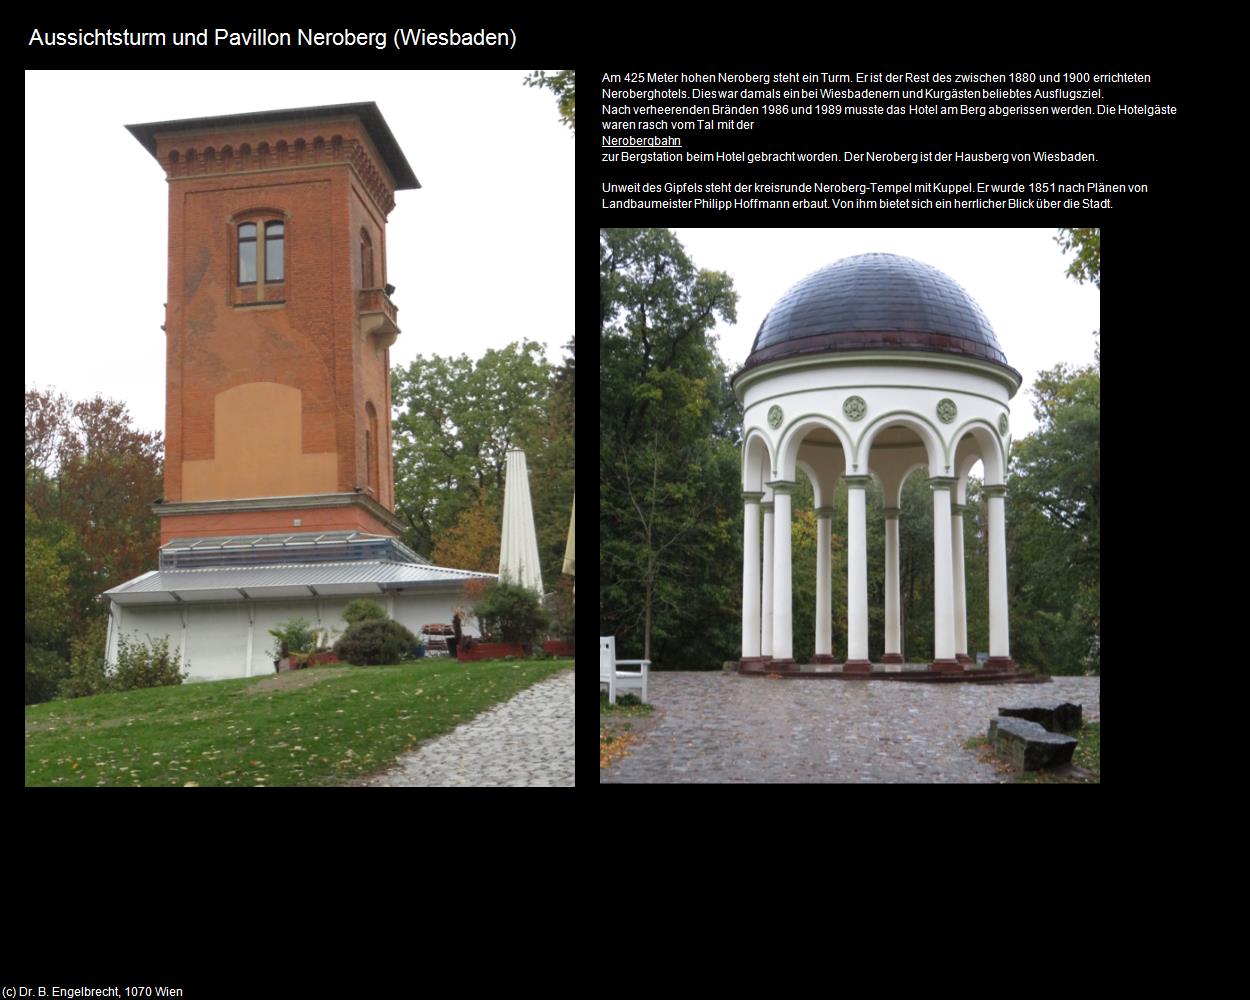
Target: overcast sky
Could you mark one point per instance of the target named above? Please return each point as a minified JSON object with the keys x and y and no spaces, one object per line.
{"x":1040,"y":316}
{"x":481,"y":255}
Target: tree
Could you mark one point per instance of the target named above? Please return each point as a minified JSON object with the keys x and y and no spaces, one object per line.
{"x":1054,"y":541}
{"x":669,"y":494}
{"x":457,"y":419}
{"x":562,"y":85}
{"x":473,"y":541}
{"x":1087,"y":265}
{"x":89,"y":469}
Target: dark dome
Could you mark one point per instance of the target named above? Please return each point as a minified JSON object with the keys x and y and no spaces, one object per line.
{"x":874,"y":301}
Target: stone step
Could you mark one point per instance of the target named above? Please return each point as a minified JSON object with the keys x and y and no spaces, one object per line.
{"x":1029,"y":746}
{"x":1056,"y":716}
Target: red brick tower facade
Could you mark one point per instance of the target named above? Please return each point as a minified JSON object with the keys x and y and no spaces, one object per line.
{"x":278,"y":321}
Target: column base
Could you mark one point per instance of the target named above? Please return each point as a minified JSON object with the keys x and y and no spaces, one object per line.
{"x":857,"y":667}
{"x":823,"y":658}
{"x":753,"y":661}
{"x":963,"y":658}
{"x":892,"y":658}
{"x":1000,"y":663}
{"x":786,"y":666}
{"x":946,"y":667}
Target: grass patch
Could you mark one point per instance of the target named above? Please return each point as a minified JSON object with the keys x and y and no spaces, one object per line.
{"x":1085,"y":758}
{"x":265,"y":731}
{"x":1086,"y":763}
{"x":626,"y":704}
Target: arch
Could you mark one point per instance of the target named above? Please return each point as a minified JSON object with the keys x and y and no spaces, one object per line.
{"x":796,"y":430}
{"x":934,"y":446}
{"x":993,"y":450}
{"x":817,"y":493}
{"x":757,"y":461}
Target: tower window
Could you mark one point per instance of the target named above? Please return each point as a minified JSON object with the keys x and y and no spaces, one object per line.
{"x":260,"y":241}
{"x":366,"y":260}
{"x":247,"y":254}
{"x":274,"y":235}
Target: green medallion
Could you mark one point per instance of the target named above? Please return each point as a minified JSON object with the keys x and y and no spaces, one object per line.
{"x":1002,"y":425}
{"x":946,"y":410}
{"x":774,"y":417}
{"x":855,"y":408}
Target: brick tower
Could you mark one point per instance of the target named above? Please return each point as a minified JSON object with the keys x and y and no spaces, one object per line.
{"x":279,"y":320}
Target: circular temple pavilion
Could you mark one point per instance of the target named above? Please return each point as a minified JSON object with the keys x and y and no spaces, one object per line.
{"x":874,"y":367}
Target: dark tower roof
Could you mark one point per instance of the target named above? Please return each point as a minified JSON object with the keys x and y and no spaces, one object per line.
{"x":876,"y":301}
{"x":367,"y":112}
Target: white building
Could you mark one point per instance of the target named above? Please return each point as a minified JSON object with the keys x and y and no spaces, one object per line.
{"x":216,"y":599}
{"x":874,"y":367}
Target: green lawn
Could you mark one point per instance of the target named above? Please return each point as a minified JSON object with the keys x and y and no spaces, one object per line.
{"x":319,"y":726}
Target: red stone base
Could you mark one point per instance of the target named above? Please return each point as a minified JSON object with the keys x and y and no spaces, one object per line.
{"x":823,"y":658}
{"x":964,"y":658}
{"x":1000,"y":663}
{"x":857,"y":667}
{"x":755,"y":662}
{"x":782,"y":667}
{"x":892,"y":658}
{"x":946,"y":666}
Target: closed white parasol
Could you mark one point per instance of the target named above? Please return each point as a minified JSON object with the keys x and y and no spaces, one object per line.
{"x":518,"y":549}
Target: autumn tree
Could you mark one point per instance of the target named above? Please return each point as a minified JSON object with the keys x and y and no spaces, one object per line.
{"x":473,"y":541}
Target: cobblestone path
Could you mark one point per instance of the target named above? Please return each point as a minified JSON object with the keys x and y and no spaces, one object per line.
{"x":527,"y":740}
{"x":726,"y":727}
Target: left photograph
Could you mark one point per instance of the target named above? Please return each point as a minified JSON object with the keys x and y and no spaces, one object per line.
{"x":304,"y":431}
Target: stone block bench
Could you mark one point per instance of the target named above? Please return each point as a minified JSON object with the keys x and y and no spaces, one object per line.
{"x":1057,"y":716}
{"x":1028,"y":745}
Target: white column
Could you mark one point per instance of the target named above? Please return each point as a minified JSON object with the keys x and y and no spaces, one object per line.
{"x":995,"y":502}
{"x":957,"y":561}
{"x":943,"y":575}
{"x":766,"y":596}
{"x":857,"y":571}
{"x":893,"y":634}
{"x":783,"y":635}
{"x":824,"y":599}
{"x":751,"y":574}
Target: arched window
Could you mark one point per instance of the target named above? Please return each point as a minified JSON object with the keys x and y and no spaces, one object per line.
{"x":366,"y":260}
{"x":260,"y":254}
{"x":371,"y":444}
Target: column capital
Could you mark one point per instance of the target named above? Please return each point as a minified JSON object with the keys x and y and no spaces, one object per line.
{"x":783,"y":485}
{"x":751,"y":497}
{"x":994,"y":491}
{"x":823,"y":512}
{"x":960,"y":509}
{"x":942,"y":482}
{"x":891,"y":513}
{"x":857,"y":482}
{"x":767,"y":508}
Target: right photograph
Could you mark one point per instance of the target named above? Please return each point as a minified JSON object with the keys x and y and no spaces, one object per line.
{"x":855,"y":456}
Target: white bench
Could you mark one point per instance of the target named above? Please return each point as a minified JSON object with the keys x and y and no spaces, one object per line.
{"x":614,"y":678}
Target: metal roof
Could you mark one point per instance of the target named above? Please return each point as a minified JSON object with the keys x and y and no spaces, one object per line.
{"x":872,"y":301}
{"x":297,"y":547}
{"x":368,"y":113}
{"x":233,"y":583}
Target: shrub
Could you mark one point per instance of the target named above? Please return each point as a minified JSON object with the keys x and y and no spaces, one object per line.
{"x":144,"y":666}
{"x":45,"y":672}
{"x":88,"y":670}
{"x":363,"y":610}
{"x":562,"y":608}
{"x":296,"y":633}
{"x":511,"y":612}
{"x":375,"y":642}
